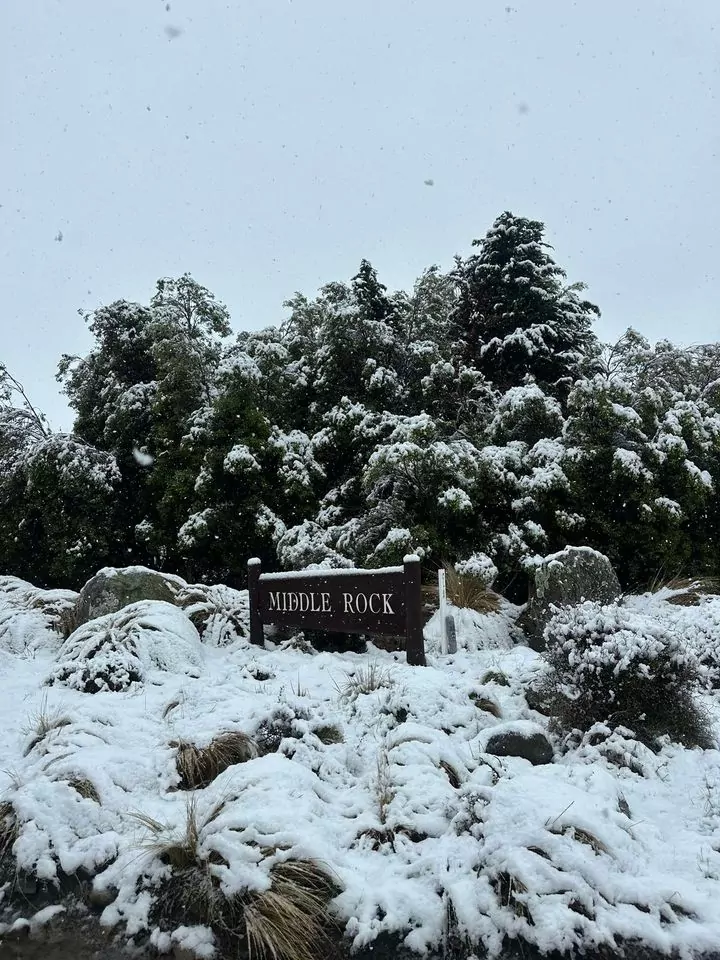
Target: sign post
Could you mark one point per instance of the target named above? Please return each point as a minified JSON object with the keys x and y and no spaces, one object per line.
{"x":442,"y":611}
{"x":386,"y":602}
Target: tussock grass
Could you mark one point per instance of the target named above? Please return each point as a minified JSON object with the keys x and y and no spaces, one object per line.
{"x":9,"y":827}
{"x":169,"y":707}
{"x":689,"y":590}
{"x":510,"y":891}
{"x":290,"y":920}
{"x":384,"y":788}
{"x":298,"y":690}
{"x":495,"y":676}
{"x":364,"y":680}
{"x":41,"y":723}
{"x":582,"y":836}
{"x":86,"y":788}
{"x":199,"y":766}
{"x":469,"y":592}
{"x":486,"y":704}
{"x":539,"y":852}
{"x":181,"y":851}
{"x":328,"y":734}
{"x":451,"y":773}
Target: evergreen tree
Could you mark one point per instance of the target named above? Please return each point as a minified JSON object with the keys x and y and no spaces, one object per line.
{"x":515,"y":317}
{"x":57,"y":497}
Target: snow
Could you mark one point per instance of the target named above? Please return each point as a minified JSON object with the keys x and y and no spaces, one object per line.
{"x":455,"y":498}
{"x":589,"y":849}
{"x":627,"y":461}
{"x":478,"y":565}
{"x":327,"y":572}
{"x":239,"y":460}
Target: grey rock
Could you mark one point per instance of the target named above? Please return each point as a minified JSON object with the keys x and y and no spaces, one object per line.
{"x":100,"y":897}
{"x":114,"y":588}
{"x":534,"y":747}
{"x":565,"y":579}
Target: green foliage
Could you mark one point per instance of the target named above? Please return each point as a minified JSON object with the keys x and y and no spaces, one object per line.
{"x":614,"y":666}
{"x":474,"y":415}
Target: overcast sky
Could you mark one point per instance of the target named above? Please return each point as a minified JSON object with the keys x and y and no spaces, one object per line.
{"x":266,"y":146}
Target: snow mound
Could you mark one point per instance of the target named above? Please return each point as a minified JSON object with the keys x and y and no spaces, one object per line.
{"x":221,"y":614}
{"x":379,"y":772}
{"x":31,"y":618}
{"x":115,"y":651}
{"x":696,"y":625}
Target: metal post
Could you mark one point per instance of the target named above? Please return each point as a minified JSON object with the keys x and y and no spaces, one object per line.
{"x":256,"y":627}
{"x":442,"y":610}
{"x":414,"y":640}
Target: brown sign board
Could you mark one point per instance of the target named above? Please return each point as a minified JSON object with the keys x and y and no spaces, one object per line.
{"x":383,"y":602}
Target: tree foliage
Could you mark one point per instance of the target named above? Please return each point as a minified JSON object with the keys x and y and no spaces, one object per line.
{"x":475,"y":415}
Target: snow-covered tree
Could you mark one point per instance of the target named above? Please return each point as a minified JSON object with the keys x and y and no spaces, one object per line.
{"x":516,"y":317}
{"x":58,"y":517}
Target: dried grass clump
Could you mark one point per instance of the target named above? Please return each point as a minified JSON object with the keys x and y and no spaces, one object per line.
{"x":41,"y":723}
{"x":384,"y":788}
{"x":582,"y":836}
{"x":364,"y":680}
{"x":486,"y":704}
{"x":199,"y":766}
{"x":328,"y":734}
{"x":451,"y":773}
{"x":469,"y":592}
{"x":180,"y":851}
{"x":495,"y":676}
{"x":9,"y":827}
{"x":689,"y":591}
{"x":86,"y":788}
{"x":220,"y":614}
{"x":511,"y":891}
{"x":169,"y":707}
{"x":290,"y":921}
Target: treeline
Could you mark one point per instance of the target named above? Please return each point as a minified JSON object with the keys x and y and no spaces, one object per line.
{"x":476,"y":418}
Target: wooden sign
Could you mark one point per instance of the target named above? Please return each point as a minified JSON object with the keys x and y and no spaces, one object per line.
{"x":383,"y":602}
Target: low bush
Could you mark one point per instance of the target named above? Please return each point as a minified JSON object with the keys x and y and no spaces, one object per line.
{"x":613,"y":665}
{"x":115,"y":651}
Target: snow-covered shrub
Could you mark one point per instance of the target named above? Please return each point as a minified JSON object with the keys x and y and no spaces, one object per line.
{"x":479,"y":566}
{"x":692,"y":611}
{"x":305,"y":544}
{"x":610,"y":664}
{"x":31,"y":618}
{"x":119,"y":649}
{"x":220,"y":614}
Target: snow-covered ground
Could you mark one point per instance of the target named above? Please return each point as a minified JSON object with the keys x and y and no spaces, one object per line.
{"x":427,"y":834}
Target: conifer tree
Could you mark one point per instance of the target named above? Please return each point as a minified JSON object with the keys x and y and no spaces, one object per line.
{"x":516,"y":318}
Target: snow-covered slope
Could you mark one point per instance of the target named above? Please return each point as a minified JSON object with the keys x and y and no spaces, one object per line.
{"x":428,"y":836}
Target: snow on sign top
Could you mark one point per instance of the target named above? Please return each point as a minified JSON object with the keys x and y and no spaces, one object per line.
{"x":321,"y":574}
{"x":385,"y":602}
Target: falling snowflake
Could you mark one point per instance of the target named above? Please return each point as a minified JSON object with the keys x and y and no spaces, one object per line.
{"x":143,"y":458}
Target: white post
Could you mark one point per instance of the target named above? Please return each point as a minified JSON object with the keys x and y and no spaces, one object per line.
{"x":443,"y":622}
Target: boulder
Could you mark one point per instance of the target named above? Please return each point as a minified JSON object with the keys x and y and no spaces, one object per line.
{"x":530,"y":744}
{"x":114,"y":588}
{"x":565,"y":579}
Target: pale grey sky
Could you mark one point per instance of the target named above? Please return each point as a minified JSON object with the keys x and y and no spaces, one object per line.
{"x":268,"y":145}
